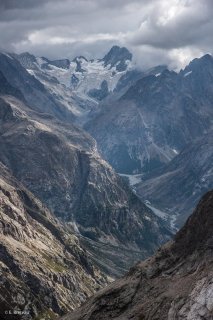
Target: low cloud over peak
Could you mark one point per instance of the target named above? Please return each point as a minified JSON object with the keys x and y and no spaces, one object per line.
{"x":156,"y":31}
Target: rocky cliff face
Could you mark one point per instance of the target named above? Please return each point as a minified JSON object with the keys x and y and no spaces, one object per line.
{"x":157,"y":116}
{"x":177,"y":187}
{"x":44,"y":271}
{"x":176,"y":283}
{"x":60,"y":165}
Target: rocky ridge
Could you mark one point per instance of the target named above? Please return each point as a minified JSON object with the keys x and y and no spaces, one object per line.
{"x":80,"y":78}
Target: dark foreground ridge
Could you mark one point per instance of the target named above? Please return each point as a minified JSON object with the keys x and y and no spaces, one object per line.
{"x":176,"y":283}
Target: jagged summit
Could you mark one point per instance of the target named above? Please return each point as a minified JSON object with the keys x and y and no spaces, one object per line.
{"x":206,"y":57}
{"x":118,"y":57}
{"x":79,"y":77}
{"x":199,"y":64}
{"x":79,"y":58}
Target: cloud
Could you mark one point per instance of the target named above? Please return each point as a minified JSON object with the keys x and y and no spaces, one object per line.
{"x":175,"y":24}
{"x":178,"y":30}
{"x":157,"y":31}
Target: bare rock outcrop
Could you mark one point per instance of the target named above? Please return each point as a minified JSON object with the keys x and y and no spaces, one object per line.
{"x":43,"y":268}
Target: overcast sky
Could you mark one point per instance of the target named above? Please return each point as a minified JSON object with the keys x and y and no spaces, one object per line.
{"x":156,"y":31}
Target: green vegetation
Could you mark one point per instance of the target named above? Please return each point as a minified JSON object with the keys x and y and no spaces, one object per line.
{"x":54,"y":265}
{"x":46,"y":315}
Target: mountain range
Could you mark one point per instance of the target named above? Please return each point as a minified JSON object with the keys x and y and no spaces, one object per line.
{"x":65,"y":213}
{"x":73,"y":134}
{"x":155,"y":118}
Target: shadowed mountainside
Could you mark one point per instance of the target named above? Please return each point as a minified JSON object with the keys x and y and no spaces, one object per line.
{"x":176,"y":283}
